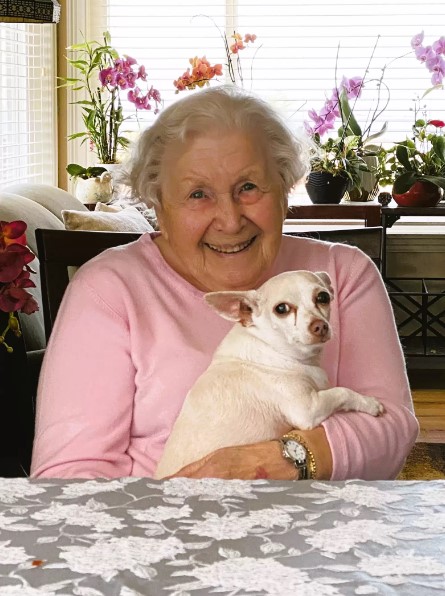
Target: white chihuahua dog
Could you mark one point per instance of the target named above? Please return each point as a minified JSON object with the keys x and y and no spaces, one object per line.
{"x":265,"y":376}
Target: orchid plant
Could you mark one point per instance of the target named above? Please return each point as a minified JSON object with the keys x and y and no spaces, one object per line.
{"x":343,"y":154}
{"x":15,"y":276}
{"x":202,"y":72}
{"x":103,"y":76}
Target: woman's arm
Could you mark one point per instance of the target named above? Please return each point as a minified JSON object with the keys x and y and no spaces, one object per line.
{"x":86,"y":390}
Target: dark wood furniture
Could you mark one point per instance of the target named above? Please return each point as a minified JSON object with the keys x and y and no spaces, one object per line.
{"x":60,"y":249}
{"x":370,"y":214}
{"x":419,"y":303}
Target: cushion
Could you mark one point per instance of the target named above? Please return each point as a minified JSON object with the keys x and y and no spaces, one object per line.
{"x":108,"y":208}
{"x":52,"y":198}
{"x":127,"y":220}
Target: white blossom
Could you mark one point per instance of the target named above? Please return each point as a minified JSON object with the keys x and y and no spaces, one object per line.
{"x":132,"y":553}
{"x":91,"y":514}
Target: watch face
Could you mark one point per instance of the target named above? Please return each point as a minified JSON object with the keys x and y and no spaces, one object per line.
{"x":296,"y":451}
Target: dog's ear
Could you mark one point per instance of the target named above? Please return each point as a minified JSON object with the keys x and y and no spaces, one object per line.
{"x":326,"y":280}
{"x":234,"y":306}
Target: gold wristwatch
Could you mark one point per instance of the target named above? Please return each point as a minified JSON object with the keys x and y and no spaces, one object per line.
{"x":295,"y":450}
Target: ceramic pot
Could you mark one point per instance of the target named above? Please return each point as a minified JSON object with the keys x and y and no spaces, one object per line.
{"x":95,"y":190}
{"x":421,"y":194}
{"x":325,"y":188}
{"x":369,"y":188}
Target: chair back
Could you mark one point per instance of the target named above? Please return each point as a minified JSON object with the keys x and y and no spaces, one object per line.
{"x":60,"y":249}
{"x":369,"y":240}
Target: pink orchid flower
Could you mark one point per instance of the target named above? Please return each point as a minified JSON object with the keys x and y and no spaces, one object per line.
{"x":416,"y":41}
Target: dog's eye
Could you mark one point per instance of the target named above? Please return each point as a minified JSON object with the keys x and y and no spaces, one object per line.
{"x":323,"y":298}
{"x":282,"y":308}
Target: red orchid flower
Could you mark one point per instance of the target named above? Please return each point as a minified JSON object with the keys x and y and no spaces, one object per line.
{"x":438,"y":123}
{"x":13,"y":299}
{"x":13,"y":258}
{"x":12,"y":232}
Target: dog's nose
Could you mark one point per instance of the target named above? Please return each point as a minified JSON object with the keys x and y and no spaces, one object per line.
{"x":319,"y":328}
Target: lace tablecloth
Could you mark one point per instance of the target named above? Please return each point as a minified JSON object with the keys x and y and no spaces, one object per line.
{"x":184,"y":537}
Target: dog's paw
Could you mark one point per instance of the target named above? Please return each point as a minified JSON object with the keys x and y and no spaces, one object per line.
{"x":373,"y":406}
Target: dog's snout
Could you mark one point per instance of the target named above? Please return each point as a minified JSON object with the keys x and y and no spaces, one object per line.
{"x":319,"y":328}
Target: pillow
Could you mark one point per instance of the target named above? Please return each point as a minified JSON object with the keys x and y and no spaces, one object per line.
{"x":105,"y":207}
{"x":127,"y":220}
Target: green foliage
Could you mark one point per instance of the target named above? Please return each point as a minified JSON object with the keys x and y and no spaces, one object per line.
{"x":420,"y":158}
{"x":77,"y":171}
{"x":102,"y":113}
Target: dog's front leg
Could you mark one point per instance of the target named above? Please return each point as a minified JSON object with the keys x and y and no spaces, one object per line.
{"x":327,"y":401}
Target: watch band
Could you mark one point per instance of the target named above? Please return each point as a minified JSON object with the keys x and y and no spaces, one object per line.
{"x":310,"y":469}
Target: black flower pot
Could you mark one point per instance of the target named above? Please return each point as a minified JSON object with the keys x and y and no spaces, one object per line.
{"x":324,"y":187}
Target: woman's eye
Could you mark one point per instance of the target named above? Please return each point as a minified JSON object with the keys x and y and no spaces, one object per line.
{"x":246,"y":187}
{"x":323,"y":298}
{"x":197,"y":194}
{"x":282,"y":308}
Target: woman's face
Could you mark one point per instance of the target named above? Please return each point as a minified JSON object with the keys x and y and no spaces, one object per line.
{"x":222,"y":211}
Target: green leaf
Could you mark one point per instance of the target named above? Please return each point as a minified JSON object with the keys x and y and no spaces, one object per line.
{"x":402,"y":155}
{"x":348,"y":118}
{"x":404,"y":182}
{"x":75,"y":170}
{"x":437,"y":180}
{"x":77,"y":135}
{"x":439,"y":147}
{"x":378,"y":134}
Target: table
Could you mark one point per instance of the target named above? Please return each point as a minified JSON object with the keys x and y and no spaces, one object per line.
{"x":369,"y":212}
{"x":183,"y":537}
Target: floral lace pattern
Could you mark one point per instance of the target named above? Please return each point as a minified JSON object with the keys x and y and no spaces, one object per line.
{"x":181,"y":537}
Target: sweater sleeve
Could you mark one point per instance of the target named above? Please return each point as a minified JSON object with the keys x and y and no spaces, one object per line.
{"x":370,"y":362}
{"x":87,"y":375}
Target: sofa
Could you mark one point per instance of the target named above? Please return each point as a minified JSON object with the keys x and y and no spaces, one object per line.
{"x":40,"y":206}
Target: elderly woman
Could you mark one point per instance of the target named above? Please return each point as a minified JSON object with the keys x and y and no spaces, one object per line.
{"x":134,"y":333}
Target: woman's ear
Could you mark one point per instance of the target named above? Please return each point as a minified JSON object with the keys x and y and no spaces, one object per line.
{"x":160,"y":220}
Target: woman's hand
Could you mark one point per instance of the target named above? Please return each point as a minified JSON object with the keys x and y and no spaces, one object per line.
{"x":260,"y":460}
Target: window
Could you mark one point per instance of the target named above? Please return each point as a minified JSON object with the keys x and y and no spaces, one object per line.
{"x":294,"y":64}
{"x":27,"y":104}
{"x":303,"y":49}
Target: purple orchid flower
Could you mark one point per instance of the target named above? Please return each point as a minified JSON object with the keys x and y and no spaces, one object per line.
{"x":416,"y":41}
{"x":107,"y":76}
{"x":439,"y":46}
{"x":353,"y":87}
{"x":423,"y":54}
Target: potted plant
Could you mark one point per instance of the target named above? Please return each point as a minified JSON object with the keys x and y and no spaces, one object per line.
{"x":93,"y":184}
{"x":103,"y":75}
{"x":342,"y":161}
{"x":17,"y":419}
{"x":416,"y":167}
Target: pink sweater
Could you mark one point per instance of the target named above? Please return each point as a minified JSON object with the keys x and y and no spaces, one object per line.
{"x":132,"y":336}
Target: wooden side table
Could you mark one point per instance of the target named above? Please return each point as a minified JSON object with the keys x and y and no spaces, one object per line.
{"x":370,"y":214}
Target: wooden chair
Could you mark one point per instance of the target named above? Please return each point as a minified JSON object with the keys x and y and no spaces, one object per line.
{"x":60,"y":249}
{"x":369,"y":240}
{"x":370,"y":214}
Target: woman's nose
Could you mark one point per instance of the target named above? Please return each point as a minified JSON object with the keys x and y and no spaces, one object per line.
{"x":229,"y":215}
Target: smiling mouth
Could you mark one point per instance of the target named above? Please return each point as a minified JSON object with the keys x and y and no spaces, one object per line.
{"x":232,"y":249}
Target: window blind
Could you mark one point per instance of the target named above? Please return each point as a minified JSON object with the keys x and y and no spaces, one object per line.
{"x":301,"y":53}
{"x":27,"y":104}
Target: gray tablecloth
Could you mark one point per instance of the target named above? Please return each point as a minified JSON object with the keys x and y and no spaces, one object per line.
{"x":185,"y":537}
